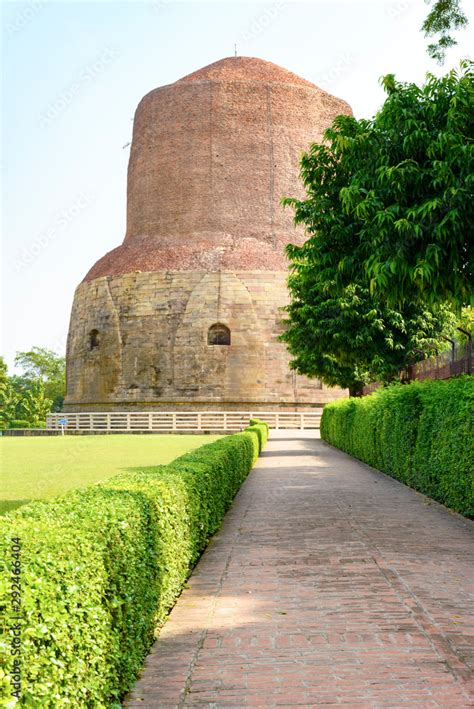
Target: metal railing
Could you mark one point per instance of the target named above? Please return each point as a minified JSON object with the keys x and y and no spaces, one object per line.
{"x":450,"y":363}
{"x":163,"y":421}
{"x":446,"y":365}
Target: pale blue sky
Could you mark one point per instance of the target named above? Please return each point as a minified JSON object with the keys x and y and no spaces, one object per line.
{"x":73,"y":73}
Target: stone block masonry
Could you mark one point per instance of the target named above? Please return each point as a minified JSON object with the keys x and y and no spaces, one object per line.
{"x":153,"y":349}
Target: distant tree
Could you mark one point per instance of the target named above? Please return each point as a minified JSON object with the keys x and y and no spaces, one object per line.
{"x":33,"y":404}
{"x":3,"y":375}
{"x":23,"y":399}
{"x":47,"y":366}
{"x":444,"y":17}
{"x":9,"y":407}
{"x":9,"y":398}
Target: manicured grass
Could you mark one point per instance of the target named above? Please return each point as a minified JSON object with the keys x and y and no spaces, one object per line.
{"x":41,"y":468}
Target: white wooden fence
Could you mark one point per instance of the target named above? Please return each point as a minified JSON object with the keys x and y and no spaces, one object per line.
{"x":161,"y":421}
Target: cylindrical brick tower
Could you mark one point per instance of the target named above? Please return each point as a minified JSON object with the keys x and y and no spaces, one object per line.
{"x":186,"y":312}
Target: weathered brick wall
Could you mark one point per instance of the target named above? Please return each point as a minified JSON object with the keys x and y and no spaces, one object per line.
{"x":153,"y":347}
{"x":212,"y":155}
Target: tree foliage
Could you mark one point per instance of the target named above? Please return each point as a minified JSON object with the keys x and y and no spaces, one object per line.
{"x":465,"y":324}
{"x":388,"y":213}
{"x":48,"y":367}
{"x":395,"y":194}
{"x":444,"y":17}
{"x":23,"y":400}
{"x":350,"y":339}
{"x":3,"y":375}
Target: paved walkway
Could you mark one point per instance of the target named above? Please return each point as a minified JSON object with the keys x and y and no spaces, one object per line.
{"x":329,"y":584}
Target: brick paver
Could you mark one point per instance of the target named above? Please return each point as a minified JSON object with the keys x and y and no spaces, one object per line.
{"x":329,"y":584}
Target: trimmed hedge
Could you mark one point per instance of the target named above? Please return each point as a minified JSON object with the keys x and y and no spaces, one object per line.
{"x":261,"y":429}
{"x":102,"y":566}
{"x":421,"y":434}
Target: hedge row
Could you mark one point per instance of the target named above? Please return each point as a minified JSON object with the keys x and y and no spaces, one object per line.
{"x":102,"y":566}
{"x":261,"y":429}
{"x":421,"y":434}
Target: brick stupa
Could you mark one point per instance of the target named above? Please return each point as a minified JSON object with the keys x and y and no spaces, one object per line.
{"x":186,"y":313}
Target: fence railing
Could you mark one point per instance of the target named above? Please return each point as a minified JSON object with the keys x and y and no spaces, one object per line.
{"x":447,"y":364}
{"x":162,"y":421}
{"x":450,"y":363}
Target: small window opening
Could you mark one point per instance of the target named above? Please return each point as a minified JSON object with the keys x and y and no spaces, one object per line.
{"x":94,"y":339}
{"x":218,"y":334}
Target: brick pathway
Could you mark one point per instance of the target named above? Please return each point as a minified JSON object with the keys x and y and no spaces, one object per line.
{"x":329,"y":584}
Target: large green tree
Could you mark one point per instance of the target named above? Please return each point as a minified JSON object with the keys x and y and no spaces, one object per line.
{"x":45,"y":365}
{"x":393,"y":196}
{"x":388,"y":213}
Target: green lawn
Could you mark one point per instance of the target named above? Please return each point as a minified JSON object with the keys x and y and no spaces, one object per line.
{"x":36,"y":468}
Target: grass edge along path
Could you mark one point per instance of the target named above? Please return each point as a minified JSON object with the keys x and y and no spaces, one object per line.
{"x":100,"y":568}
